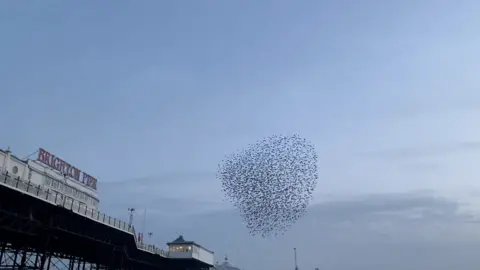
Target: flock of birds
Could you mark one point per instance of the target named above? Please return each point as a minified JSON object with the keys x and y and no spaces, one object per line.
{"x":271,"y":182}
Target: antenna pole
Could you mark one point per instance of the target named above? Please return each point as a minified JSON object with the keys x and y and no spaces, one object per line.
{"x":144,"y":222}
{"x":27,"y":157}
{"x":295,"y":256}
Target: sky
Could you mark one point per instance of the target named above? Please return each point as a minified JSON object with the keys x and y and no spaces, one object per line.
{"x":149,"y":96}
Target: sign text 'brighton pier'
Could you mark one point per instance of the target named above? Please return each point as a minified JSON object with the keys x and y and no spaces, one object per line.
{"x":65,"y":168}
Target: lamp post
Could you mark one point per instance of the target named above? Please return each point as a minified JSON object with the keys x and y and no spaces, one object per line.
{"x":295,"y":257}
{"x":130,"y":221}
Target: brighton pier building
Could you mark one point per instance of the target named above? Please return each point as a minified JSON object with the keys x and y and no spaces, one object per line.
{"x":49,"y":209}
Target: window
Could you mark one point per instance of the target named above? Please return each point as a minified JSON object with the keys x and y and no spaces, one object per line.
{"x":15,"y":169}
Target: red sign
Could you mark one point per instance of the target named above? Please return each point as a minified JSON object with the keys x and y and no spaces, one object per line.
{"x":65,"y":168}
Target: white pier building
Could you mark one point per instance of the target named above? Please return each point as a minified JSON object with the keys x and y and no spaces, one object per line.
{"x":52,"y":179}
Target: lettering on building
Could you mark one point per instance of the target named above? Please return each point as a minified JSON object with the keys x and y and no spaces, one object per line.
{"x":66,"y":168}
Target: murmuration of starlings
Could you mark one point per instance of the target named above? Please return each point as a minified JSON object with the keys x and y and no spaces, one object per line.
{"x":271,"y":182}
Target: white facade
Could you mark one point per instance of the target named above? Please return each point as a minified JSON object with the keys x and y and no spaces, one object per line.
{"x":204,"y":255}
{"x":192,"y":251}
{"x":182,"y":249}
{"x":39,"y":174}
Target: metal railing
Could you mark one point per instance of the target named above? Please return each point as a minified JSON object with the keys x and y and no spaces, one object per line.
{"x":76,"y":206}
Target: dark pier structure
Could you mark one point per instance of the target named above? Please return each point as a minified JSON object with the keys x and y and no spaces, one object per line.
{"x":39,"y":231}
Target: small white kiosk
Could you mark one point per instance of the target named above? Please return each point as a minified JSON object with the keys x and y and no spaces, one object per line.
{"x":181,"y":249}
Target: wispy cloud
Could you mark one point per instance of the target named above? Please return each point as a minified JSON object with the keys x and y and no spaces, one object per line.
{"x":422,"y":151}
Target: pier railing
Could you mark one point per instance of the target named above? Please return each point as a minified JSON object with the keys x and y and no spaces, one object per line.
{"x":76,"y":206}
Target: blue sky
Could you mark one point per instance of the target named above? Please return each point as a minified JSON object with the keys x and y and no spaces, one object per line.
{"x":148,"y":96}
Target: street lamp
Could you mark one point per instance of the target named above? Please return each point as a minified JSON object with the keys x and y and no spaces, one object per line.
{"x":130,"y":221}
{"x":295,"y":257}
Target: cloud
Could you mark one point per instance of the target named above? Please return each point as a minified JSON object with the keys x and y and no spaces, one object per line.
{"x":421,"y":166}
{"x":422,"y":151}
{"x":416,"y":230}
